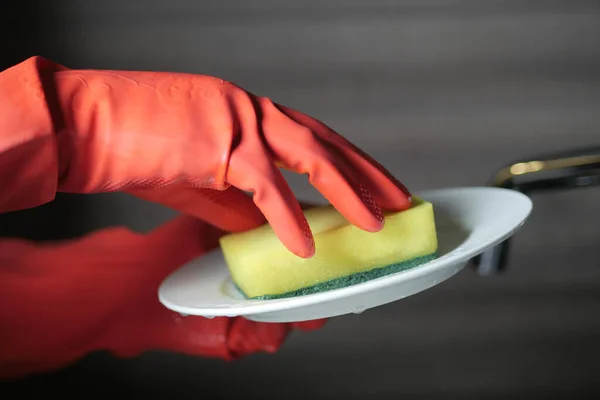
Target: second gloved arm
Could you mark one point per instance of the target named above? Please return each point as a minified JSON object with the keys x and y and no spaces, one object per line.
{"x":62,"y":301}
{"x":163,"y":136}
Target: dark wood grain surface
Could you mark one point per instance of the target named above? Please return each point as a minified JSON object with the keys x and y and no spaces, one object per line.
{"x":442,"y":93}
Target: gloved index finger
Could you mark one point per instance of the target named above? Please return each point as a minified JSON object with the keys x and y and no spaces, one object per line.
{"x":256,"y":173}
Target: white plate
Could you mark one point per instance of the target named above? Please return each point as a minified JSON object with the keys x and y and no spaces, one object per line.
{"x":469,"y":220}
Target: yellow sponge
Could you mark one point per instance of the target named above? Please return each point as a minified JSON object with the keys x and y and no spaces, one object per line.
{"x":263,"y":268}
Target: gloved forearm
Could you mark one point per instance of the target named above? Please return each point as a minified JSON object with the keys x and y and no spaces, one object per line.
{"x":35,"y":147}
{"x":59,"y":302}
{"x":39,"y":155}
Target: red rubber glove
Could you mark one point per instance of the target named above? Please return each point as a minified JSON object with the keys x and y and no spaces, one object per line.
{"x":139,"y":131}
{"x":59,"y":302}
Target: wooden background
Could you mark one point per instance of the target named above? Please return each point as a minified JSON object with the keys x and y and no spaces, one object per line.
{"x":442,"y":92}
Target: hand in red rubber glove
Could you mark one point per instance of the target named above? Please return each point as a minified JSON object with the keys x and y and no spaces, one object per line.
{"x":161,"y":136}
{"x":58,"y":302}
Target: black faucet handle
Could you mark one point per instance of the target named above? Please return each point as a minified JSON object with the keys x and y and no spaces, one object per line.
{"x":575,"y":168}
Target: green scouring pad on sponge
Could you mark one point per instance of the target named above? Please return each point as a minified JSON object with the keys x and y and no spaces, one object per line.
{"x":262,"y":268}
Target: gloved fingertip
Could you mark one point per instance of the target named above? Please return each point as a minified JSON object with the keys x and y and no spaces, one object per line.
{"x":306,"y":251}
{"x":395,"y":199}
{"x":307,"y":326}
{"x":374,"y":226}
{"x":303,"y":246}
